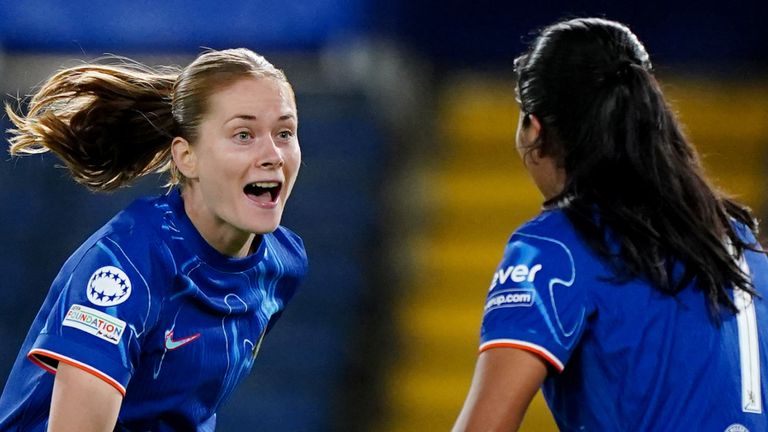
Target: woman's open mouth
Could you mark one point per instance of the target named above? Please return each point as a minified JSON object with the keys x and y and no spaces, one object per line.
{"x":264,"y":193}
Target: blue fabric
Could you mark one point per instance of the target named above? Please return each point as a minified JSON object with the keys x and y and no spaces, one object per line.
{"x":632,"y":358}
{"x":147,"y":305}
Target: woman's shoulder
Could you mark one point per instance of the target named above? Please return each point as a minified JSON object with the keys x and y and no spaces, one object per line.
{"x":288,"y":245}
{"x":549,"y":223}
{"x":139,"y":223}
{"x":745,"y":233}
{"x":287,"y":236}
{"x":288,"y":249}
{"x":550,"y":230}
{"x":133,"y":233}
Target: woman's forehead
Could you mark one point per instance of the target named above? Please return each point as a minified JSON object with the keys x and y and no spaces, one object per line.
{"x":251,"y":96}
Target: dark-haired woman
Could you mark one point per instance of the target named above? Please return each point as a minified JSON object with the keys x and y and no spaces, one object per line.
{"x":637,"y":298}
{"x":152,"y":323}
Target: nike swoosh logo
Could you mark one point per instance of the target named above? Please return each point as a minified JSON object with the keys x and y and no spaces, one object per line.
{"x":171,"y":344}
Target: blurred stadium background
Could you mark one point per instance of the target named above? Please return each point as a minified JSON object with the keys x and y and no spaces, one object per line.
{"x":410,"y":184}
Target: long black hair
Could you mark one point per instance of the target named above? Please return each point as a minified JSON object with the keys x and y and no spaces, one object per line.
{"x":635,"y":188}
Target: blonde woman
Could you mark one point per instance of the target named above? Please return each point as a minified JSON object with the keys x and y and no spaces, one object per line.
{"x":155,"y":319}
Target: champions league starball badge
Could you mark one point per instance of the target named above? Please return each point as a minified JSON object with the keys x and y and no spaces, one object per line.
{"x":108,"y":286}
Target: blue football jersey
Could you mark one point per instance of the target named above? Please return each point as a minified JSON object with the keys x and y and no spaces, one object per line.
{"x":625,"y":357}
{"x":148,"y":306}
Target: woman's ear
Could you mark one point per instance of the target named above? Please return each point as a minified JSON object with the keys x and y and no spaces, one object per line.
{"x":184,"y":157}
{"x":529,"y":135}
{"x":533,"y":130}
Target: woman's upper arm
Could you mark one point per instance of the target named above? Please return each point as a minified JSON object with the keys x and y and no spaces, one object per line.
{"x":505,"y":381}
{"x":82,"y":402}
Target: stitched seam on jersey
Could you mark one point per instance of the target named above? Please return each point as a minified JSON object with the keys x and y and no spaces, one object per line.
{"x":528,"y":346}
{"x":272,"y":288}
{"x":263,"y":294}
{"x":146,"y":285}
{"x":74,"y":363}
{"x":41,"y":364}
{"x":565,"y":283}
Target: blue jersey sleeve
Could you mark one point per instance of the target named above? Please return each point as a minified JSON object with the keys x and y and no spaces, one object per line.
{"x":535,"y":301}
{"x":102,"y":311}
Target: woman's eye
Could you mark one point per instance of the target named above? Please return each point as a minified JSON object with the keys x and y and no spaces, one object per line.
{"x":285,"y":135}
{"x":243,"y":136}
